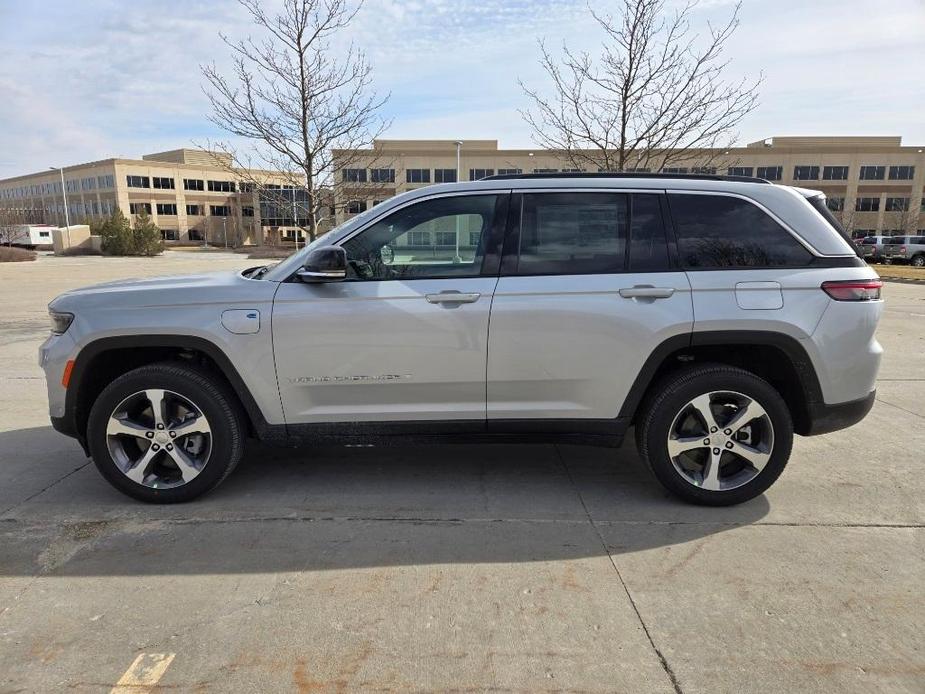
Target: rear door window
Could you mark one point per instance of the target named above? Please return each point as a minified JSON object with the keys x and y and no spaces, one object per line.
{"x":573,"y":233}
{"x":648,"y":246}
{"x":720,"y":231}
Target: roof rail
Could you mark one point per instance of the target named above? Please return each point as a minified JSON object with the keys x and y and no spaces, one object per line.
{"x":673,"y":176}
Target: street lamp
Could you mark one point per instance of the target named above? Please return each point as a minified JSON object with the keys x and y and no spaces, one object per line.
{"x":457,"y":258}
{"x":67,"y":220}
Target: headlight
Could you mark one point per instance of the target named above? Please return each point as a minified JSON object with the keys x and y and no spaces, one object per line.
{"x":60,"y":322}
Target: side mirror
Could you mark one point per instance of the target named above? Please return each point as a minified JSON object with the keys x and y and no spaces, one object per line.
{"x":325,"y":264}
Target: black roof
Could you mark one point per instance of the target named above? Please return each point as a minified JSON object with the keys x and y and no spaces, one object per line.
{"x":674,"y":176}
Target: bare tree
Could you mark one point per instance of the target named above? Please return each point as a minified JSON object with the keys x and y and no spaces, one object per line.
{"x":902,"y":220}
{"x":654,"y":97}
{"x":296,"y":100}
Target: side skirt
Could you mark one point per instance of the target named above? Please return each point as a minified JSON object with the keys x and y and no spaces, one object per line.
{"x":607,"y":433}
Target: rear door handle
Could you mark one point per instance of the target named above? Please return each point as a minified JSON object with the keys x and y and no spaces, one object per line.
{"x":452,"y":297}
{"x":645,"y":291}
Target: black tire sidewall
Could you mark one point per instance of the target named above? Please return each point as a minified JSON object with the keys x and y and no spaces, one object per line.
{"x":677,"y":392}
{"x":190,"y":383}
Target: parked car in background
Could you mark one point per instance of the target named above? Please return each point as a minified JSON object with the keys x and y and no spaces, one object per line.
{"x":715,"y":316}
{"x":870,"y":248}
{"x":905,"y":249}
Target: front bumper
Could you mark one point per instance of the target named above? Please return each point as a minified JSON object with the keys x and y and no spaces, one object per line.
{"x":824,"y":418}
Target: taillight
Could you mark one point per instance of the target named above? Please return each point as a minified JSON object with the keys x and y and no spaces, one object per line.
{"x":902,"y":249}
{"x":853,"y":290}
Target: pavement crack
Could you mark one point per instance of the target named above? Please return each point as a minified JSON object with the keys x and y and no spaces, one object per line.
{"x":46,"y":488}
{"x":898,"y":407}
{"x":666,"y":666}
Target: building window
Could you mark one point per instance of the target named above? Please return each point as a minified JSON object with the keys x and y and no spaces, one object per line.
{"x":194,"y":210}
{"x":629,"y":170}
{"x":902,"y":173}
{"x":835,"y":173}
{"x":835,"y":204}
{"x":805,"y":173}
{"x":221,"y":186}
{"x":377,"y":202}
{"x":479,"y":174}
{"x":138,"y":207}
{"x":897,"y":205}
{"x":247,"y":211}
{"x":194,"y":235}
{"x":382,"y":175}
{"x":170,"y":235}
{"x":545,"y":171}
{"x":867,"y":205}
{"x":418,"y":238}
{"x":356,"y":206}
{"x":771,"y":173}
{"x":193,"y":184}
{"x":740,"y":170}
{"x":163,"y":183}
{"x":219,"y":210}
{"x":872,"y":173}
{"x":85,"y":184}
{"x":166,"y":208}
{"x":674,"y":170}
{"x":708,"y":170}
{"x":104,"y":181}
{"x":474,"y":237}
{"x":354,"y":175}
{"x":417,"y":176}
{"x":444,"y":175}
{"x":134,"y":182}
{"x":510,"y":172}
{"x":445,"y":238}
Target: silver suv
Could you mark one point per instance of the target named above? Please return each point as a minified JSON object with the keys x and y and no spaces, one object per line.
{"x":905,"y":249}
{"x":716,"y":316}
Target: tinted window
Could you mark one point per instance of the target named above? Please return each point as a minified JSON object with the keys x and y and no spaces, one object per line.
{"x":572,"y":233}
{"x":444,"y":237}
{"x":648,"y":248}
{"x":722,"y":231}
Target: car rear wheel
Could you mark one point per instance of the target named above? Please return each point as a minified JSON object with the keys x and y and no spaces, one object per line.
{"x":918,"y":261}
{"x":715,"y":435}
{"x":165,"y":433}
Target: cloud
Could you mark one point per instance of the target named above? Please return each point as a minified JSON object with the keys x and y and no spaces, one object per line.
{"x":101,"y":81}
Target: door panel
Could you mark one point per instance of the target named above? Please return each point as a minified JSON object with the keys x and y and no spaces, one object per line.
{"x":571,"y":346}
{"x":374,"y":351}
{"x":406,"y":337}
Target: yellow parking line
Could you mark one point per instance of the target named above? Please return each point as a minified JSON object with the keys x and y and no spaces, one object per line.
{"x":144,"y":673}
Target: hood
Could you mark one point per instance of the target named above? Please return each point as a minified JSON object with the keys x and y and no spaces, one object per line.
{"x":227,"y":286}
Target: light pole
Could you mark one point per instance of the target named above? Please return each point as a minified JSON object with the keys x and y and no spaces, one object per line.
{"x":67,"y":219}
{"x":457,"y":258}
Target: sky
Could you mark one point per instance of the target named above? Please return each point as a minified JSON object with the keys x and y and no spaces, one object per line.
{"x":88,"y":80}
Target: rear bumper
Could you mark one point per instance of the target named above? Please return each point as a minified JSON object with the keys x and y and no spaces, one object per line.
{"x":824,"y":418}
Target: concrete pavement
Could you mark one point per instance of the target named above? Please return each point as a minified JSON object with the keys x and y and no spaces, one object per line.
{"x":500,"y":568}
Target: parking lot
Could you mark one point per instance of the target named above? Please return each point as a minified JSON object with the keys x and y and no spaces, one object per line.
{"x":466,"y":568}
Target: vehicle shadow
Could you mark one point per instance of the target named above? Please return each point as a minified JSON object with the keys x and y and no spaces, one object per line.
{"x":335,"y":508}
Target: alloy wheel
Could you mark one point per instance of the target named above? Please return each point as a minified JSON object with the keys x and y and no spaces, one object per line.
{"x":159,"y":438}
{"x":720,"y":440}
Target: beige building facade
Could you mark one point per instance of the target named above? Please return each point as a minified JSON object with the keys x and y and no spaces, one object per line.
{"x":873,"y":184}
{"x":189,"y":194}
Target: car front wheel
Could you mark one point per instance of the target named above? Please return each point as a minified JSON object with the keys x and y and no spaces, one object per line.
{"x":165,"y":433}
{"x":715,"y":435}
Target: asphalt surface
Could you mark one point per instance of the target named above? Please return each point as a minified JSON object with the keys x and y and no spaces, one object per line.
{"x":467,"y":568}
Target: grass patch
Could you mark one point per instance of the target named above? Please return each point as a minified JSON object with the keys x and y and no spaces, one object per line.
{"x":900,"y":272}
{"x":9,"y":254}
{"x":268,"y":253}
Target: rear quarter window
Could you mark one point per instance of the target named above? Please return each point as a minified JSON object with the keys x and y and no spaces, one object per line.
{"x":719,"y":231}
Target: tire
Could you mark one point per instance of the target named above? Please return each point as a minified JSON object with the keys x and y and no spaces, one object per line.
{"x":918,"y":261}
{"x":201,"y":425}
{"x":760,"y":447}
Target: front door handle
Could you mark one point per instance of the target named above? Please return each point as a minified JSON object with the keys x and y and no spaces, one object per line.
{"x":645,"y":291}
{"x":452,"y":297}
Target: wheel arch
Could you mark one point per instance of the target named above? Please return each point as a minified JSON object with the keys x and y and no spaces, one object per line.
{"x":101,"y":361}
{"x":778,"y":358}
